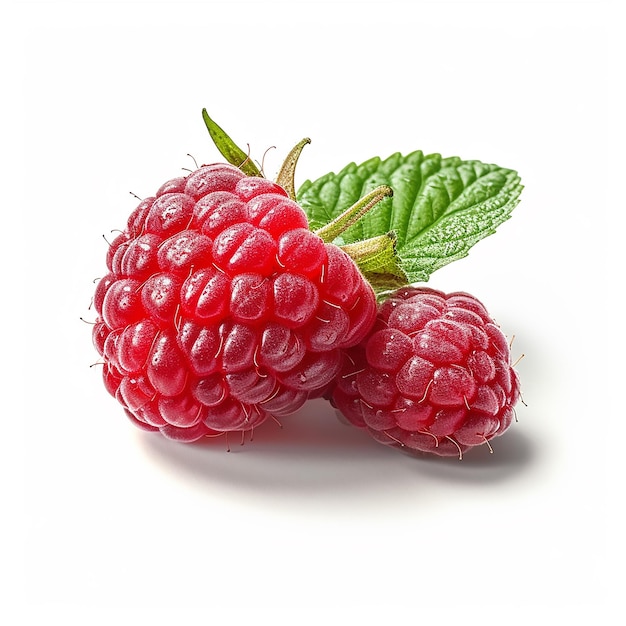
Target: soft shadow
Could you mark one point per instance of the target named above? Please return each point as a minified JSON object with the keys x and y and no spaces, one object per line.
{"x":312,"y":452}
{"x":315,"y":452}
{"x":513,"y":452}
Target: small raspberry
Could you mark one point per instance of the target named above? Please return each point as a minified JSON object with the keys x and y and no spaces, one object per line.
{"x":434,"y":375}
{"x":222,"y":308}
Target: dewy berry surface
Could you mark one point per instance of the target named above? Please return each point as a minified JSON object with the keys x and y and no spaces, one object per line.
{"x":434,"y":375}
{"x":220,"y":307}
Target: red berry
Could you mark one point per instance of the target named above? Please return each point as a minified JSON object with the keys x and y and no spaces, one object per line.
{"x":434,"y":375}
{"x":221,"y":308}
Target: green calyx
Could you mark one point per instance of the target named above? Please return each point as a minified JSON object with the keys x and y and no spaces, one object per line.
{"x":286,"y":175}
{"x":375,"y":256}
{"x":401,"y":218}
{"x":378,"y":261}
{"x":229,"y":149}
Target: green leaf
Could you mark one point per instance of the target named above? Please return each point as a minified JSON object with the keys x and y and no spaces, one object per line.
{"x":440,"y":207}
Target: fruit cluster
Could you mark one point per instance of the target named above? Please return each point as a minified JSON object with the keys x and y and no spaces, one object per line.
{"x":221,"y":308}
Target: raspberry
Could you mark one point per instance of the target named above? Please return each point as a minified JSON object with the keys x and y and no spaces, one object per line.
{"x":221,"y":307}
{"x":434,"y":375}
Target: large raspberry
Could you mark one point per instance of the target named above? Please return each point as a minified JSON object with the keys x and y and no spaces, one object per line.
{"x":433,"y":376}
{"x":221,"y":307}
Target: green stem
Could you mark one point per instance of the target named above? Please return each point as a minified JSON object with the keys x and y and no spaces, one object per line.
{"x":334,"y":228}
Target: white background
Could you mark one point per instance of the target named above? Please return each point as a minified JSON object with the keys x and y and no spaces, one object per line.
{"x":314,"y":523}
